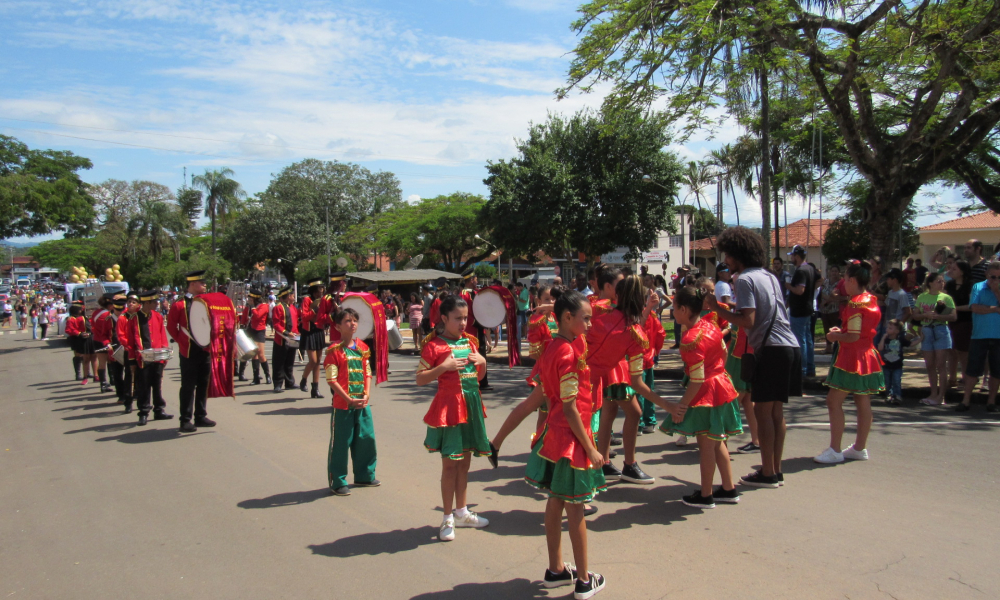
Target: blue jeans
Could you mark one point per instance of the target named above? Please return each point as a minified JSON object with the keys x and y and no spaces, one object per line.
{"x":522,"y":324}
{"x":894,"y":380}
{"x":801,"y":329}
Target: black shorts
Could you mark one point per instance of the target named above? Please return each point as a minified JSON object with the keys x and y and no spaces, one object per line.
{"x":258,"y":336}
{"x":778,"y":375}
{"x":979,"y":351}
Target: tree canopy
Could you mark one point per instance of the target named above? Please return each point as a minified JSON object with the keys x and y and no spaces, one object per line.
{"x":577,"y":183}
{"x":911,"y":86}
{"x":41,"y":191}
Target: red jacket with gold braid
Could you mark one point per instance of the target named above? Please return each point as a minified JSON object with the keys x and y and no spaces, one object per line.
{"x":258,"y":316}
{"x":157,"y":334}
{"x":122,"y":331}
{"x":177,"y":318}
{"x":278,"y":321}
{"x":309,"y":319}
{"x":100,"y":327}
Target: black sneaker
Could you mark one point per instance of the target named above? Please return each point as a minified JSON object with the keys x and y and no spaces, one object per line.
{"x":204,"y":422}
{"x":592,"y":586}
{"x":566,"y":577}
{"x":341,"y":491}
{"x":616,"y":439}
{"x":748,"y":448}
{"x":726,"y":497}
{"x":781,"y":478}
{"x":494,"y":457}
{"x":696,"y":500}
{"x":759,"y":480}
{"x":962,"y":408}
{"x":372,"y":483}
{"x":611,"y":472}
{"x":633,"y":473}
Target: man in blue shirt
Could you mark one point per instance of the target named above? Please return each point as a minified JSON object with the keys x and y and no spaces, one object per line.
{"x":984,"y":303}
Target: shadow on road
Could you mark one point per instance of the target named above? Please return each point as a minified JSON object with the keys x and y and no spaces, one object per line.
{"x":307,"y":410}
{"x":102,"y":415}
{"x":515,"y":588}
{"x":275,"y":401}
{"x":286,"y":499}
{"x":110,"y":427}
{"x":372,"y":544}
{"x":144,"y":436}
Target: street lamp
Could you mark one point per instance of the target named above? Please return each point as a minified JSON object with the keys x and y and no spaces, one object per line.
{"x":646,"y":178}
{"x":482,"y":239}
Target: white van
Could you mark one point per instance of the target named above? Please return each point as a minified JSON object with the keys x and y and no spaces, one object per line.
{"x":23,"y":282}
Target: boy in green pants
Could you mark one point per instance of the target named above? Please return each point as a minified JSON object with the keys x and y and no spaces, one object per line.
{"x":351,"y":428}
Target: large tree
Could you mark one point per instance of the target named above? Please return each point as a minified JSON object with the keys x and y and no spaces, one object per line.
{"x":444,"y":227}
{"x":41,"y":191}
{"x":912,"y":86}
{"x":577,"y":183}
{"x":223,"y":195}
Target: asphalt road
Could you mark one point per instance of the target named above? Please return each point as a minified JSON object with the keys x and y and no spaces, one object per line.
{"x":95,"y":507}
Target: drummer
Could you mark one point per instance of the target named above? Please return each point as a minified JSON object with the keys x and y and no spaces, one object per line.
{"x":132,"y":306}
{"x":285,"y":320}
{"x":146,"y":331}
{"x":196,"y":362}
{"x":468,"y":293}
{"x":313,"y":341}
{"x":256,"y":328}
{"x":119,"y":375}
{"x":330,"y":304}
{"x":102,"y":325}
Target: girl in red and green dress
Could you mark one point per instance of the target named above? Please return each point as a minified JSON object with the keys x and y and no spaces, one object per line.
{"x":712,"y":412}
{"x":455,"y":421}
{"x":856,"y":368}
{"x":564,"y":460}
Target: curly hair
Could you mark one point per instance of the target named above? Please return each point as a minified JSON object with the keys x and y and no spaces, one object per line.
{"x":743,"y":245}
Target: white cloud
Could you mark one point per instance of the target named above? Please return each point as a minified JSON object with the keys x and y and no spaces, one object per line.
{"x":413,"y":198}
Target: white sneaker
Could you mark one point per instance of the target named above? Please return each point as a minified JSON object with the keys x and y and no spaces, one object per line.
{"x":853,"y":454}
{"x":829,"y":457}
{"x":471,"y":519}
{"x":447,"y":531}
{"x":681,"y":440}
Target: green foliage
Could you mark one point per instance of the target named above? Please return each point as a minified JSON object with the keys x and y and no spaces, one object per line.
{"x":486,"y":273}
{"x":577,"y":182}
{"x":445,"y":226}
{"x":41,"y":192}
{"x":270,"y":229}
{"x":911,"y":86}
{"x":68,"y":252}
{"x":223,"y":197}
{"x":189,"y":201}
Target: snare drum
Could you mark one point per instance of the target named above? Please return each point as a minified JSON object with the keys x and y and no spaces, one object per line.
{"x":291,"y":341}
{"x":157,"y":354}
{"x":489,"y":308}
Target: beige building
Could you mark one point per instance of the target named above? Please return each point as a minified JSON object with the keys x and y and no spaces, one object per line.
{"x":984,"y":226}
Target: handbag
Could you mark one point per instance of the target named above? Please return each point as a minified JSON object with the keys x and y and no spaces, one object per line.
{"x":748,"y":362}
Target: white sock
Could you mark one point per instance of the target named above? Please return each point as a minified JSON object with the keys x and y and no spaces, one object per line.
{"x":448,"y":518}
{"x":461,"y":513}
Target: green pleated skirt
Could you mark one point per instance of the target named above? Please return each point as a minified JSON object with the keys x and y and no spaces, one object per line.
{"x":455,"y":441}
{"x":862,"y":385}
{"x":718,"y":423}
{"x":562,"y":481}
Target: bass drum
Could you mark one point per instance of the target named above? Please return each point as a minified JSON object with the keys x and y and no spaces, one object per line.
{"x":395,"y":336}
{"x":366,"y":319}
{"x":489,"y":308}
{"x":200,"y":323}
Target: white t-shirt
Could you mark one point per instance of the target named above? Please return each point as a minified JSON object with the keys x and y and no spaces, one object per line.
{"x":722,"y":290}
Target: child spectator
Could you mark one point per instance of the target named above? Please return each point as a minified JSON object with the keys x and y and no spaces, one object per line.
{"x":891,"y":348}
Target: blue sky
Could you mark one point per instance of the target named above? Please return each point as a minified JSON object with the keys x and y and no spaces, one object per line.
{"x":430,"y":90}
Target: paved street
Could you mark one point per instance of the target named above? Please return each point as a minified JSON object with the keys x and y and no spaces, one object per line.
{"x":95,"y":507}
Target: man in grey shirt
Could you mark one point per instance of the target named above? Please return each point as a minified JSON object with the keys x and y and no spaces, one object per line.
{"x":760,"y":309}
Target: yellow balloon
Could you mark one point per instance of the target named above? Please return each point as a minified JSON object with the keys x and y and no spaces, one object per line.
{"x":108,"y":272}
{"x":119,"y":277}
{"x":74,"y":278}
{"x":115,"y":267}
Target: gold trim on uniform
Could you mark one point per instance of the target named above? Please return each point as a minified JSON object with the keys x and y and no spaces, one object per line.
{"x":854,"y":324}
{"x":332,"y":373}
{"x":569,"y":387}
{"x":635,"y":365}
{"x":697,"y":373}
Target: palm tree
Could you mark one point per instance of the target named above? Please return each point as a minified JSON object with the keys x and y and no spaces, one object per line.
{"x":161,"y":224}
{"x":222,"y":195}
{"x":697,"y":177}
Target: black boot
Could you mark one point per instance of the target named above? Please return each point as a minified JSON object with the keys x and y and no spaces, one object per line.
{"x":302,"y":385}
{"x":242,"y":369}
{"x":77,"y":363}
{"x":255,"y":365}
{"x":101,"y":374}
{"x":315,"y":391}
{"x":267,"y":373}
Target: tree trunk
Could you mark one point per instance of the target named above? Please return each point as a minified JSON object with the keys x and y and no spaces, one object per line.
{"x":765,"y":161}
{"x":883,"y":215}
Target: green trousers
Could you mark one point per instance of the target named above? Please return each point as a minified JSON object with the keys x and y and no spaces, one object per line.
{"x":351,"y":430}
{"x":648,"y":418}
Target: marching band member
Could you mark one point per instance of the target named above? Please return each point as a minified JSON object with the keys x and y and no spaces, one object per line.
{"x":196,"y":362}
{"x":102,"y":326}
{"x":132,"y":306}
{"x":116,"y":370}
{"x":256,"y":328}
{"x":313,"y":339}
{"x":77,"y":330}
{"x":330,"y":304}
{"x":146,"y":331}
{"x":474,"y":328}
{"x":285,"y":320}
